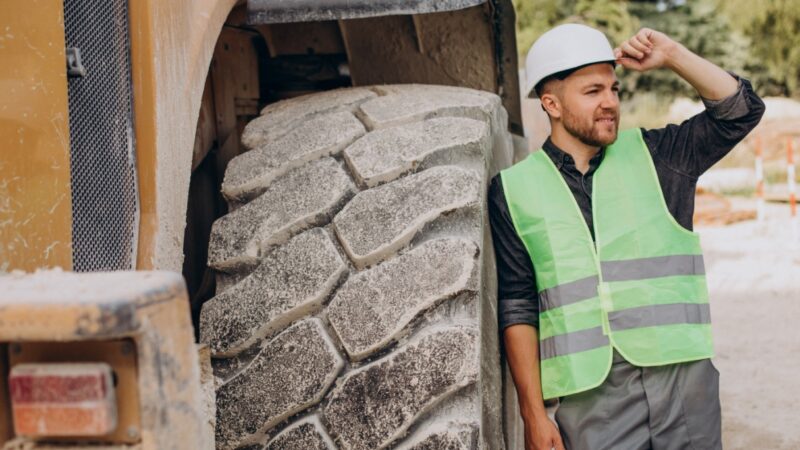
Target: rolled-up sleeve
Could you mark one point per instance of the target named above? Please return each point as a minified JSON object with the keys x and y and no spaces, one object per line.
{"x":517,"y":298}
{"x":698,"y":143}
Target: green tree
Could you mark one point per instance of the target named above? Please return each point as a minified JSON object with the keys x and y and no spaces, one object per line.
{"x":536,"y":17}
{"x":773,"y":59}
{"x":610,"y":16}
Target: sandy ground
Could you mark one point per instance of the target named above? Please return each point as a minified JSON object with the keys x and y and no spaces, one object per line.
{"x":754,"y":280}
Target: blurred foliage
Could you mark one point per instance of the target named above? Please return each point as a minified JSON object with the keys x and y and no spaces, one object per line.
{"x":774,"y":42}
{"x":758,"y":40}
{"x":695,"y":25}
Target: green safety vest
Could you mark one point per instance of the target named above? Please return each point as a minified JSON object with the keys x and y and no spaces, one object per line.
{"x":640,"y":287}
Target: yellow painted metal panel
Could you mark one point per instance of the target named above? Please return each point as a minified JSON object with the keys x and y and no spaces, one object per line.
{"x":35,"y":196}
{"x":144,"y":110}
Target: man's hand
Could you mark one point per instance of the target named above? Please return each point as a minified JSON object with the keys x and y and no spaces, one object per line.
{"x":651,"y":49}
{"x":646,"y":50}
{"x":542,"y":434}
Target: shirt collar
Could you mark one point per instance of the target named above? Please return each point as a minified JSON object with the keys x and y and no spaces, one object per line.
{"x":563,"y":160}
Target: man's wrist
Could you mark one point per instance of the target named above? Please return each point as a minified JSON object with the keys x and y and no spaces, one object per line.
{"x":533,"y":411}
{"x":710,"y":81}
{"x":675,"y":54}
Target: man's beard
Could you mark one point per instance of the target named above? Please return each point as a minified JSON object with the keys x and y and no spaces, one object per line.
{"x":589,"y":134}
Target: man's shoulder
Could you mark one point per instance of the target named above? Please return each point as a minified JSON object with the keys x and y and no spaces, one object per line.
{"x":496,"y":196}
{"x":496,"y":183}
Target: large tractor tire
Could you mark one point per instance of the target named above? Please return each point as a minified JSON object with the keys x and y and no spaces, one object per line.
{"x":355,"y":307}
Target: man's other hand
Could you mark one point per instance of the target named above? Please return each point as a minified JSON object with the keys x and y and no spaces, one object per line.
{"x":542,"y":434}
{"x":646,"y":50}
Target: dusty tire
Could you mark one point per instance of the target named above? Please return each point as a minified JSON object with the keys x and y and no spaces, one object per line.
{"x":355,"y":307}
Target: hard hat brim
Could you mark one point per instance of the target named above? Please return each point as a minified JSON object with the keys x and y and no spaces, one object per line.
{"x":532,"y":89}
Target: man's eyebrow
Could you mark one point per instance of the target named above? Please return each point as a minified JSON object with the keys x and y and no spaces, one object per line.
{"x":600,"y":85}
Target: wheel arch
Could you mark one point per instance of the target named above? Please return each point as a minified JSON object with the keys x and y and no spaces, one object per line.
{"x":168,"y":84}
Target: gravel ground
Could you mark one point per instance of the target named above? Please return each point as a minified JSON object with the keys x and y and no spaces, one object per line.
{"x":754,"y":279}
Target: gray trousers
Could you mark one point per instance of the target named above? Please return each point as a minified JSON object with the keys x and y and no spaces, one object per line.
{"x":660,"y":408}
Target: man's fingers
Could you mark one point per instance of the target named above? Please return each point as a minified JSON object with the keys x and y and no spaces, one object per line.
{"x":639,"y":46}
{"x":628,"y":49}
{"x":630,"y":63}
{"x":645,"y":35}
{"x":555,"y":439}
{"x":641,"y":43}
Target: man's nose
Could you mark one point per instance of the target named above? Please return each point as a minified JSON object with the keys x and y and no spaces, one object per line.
{"x":610,"y":100}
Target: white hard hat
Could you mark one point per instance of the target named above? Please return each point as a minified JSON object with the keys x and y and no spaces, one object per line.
{"x":564,"y":47}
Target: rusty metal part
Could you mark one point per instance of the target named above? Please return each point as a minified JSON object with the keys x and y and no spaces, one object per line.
{"x":472,"y":47}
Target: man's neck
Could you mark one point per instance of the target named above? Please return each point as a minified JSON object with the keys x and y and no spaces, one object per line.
{"x":581,"y":153}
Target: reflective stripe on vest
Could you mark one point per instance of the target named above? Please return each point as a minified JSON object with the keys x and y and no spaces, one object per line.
{"x":659,"y":266}
{"x":577,"y":341}
{"x":632,"y":269}
{"x":640,"y":288}
{"x":650,"y":316}
{"x":643,"y":316}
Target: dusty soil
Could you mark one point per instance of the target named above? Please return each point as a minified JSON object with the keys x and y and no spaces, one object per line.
{"x":754,"y":280}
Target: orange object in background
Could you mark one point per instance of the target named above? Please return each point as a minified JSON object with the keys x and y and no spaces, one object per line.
{"x":62,"y":399}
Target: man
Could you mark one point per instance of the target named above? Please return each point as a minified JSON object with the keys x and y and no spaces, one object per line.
{"x":595,"y":254}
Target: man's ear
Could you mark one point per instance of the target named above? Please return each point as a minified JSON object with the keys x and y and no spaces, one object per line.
{"x":551,"y":105}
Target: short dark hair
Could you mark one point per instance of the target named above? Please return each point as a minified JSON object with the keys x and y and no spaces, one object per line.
{"x":561,"y":76}
{"x":556,"y":76}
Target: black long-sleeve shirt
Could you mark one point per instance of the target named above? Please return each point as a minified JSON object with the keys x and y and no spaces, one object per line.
{"x":681,"y":153}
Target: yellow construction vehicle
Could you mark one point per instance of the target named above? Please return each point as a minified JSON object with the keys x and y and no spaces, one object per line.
{"x":315,"y":169}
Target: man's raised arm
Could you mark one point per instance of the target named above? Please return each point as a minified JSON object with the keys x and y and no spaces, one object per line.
{"x":650,"y":49}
